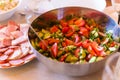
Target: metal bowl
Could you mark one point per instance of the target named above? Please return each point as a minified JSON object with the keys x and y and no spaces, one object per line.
{"x":57,"y":14}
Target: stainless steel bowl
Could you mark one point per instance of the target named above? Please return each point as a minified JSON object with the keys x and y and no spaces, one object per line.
{"x":66,"y":68}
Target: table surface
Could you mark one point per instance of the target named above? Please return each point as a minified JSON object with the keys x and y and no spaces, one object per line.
{"x":35,"y":70}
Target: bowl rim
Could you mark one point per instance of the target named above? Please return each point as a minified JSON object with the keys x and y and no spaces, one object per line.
{"x":19,"y":3}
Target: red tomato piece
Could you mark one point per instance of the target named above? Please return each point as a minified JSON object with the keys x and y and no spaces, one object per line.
{"x":86,"y":44}
{"x":43,"y":44}
{"x":65,"y":29}
{"x":91,"y":51}
{"x":69,"y":34}
{"x":69,"y":42}
{"x":63,"y":57}
{"x":76,"y":53}
{"x":53,"y":29}
{"x":54,"y":50}
{"x":52,"y":41}
{"x":64,"y":44}
{"x":78,"y":44}
{"x":98,"y":49}
{"x":80,"y":22}
{"x":83,"y":31}
{"x":63,"y":23}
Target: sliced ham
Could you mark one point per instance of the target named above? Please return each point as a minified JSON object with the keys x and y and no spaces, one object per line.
{"x":16,"y":62}
{"x":25,"y":50}
{"x":16,"y":34}
{"x":24,"y":28}
{"x":3,"y":35}
{"x":5,"y":42}
{"x":19,"y":40}
{"x":1,"y":26}
{"x":16,"y":54}
{"x":13,"y":47}
{"x":31,"y":51}
{"x":5,"y":65}
{"x":3,"y":50}
{"x":3,"y":57}
{"x":2,"y":61}
{"x":29,"y":57}
{"x":6,"y":32}
{"x":9,"y":52}
{"x":12,"y":26}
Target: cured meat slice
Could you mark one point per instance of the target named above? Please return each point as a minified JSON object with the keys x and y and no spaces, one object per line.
{"x":29,"y":57}
{"x":5,"y":65}
{"x":3,"y":50}
{"x":19,"y":40}
{"x":24,"y":28}
{"x":3,"y":57}
{"x":16,"y":62}
{"x":12,"y":26}
{"x":16,"y":54}
{"x":16,"y":34}
{"x":9,"y":51}
{"x":5,"y":42}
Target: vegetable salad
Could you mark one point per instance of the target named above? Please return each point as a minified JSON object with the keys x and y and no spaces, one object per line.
{"x":75,"y":39}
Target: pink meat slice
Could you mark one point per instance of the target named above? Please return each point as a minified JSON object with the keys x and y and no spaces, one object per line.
{"x":3,"y":57}
{"x":13,"y":47}
{"x":5,"y":42}
{"x":16,"y":33}
{"x":19,"y":40}
{"x":16,"y":54}
{"x":5,"y":65}
{"x":24,"y":28}
{"x":3,"y":50}
{"x":29,"y":57}
{"x":9,"y":52}
{"x":16,"y":62}
{"x":25,"y":48}
{"x":12,"y":26}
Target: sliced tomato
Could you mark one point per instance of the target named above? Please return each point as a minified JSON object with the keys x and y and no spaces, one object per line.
{"x":98,"y":49}
{"x":70,"y":32}
{"x":63,"y":23}
{"x":43,"y":44}
{"x":64,"y":44}
{"x":71,"y":22}
{"x":52,"y":41}
{"x":63,"y":58}
{"x":78,"y":44}
{"x":86,"y":44}
{"x":80,"y":22}
{"x":91,"y":51}
{"x":54,"y":29}
{"x":83,"y":31}
{"x":69,"y":42}
{"x":113,"y":44}
{"x":65,"y":29}
{"x":76,"y":53}
{"x":54,"y":50}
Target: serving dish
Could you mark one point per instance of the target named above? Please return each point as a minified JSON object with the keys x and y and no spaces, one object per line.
{"x":14,"y":47}
{"x":50,"y":17}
